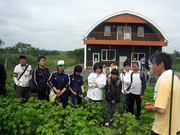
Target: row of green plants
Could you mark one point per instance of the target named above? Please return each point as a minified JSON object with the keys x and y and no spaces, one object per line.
{"x":43,"y":118}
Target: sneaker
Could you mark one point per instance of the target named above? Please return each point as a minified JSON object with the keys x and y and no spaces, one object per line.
{"x":107,"y":124}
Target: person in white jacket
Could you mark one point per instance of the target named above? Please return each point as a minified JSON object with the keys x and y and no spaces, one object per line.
{"x":96,"y":84}
{"x":125,"y":77}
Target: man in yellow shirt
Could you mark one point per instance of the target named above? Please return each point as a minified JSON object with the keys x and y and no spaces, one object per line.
{"x":162,"y":67}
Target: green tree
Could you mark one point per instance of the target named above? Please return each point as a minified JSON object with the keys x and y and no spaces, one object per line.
{"x":23,"y":47}
{"x":78,"y":54}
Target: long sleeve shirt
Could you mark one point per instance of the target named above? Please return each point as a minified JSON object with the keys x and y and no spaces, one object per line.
{"x":138,"y":83}
{"x":76,"y":82}
{"x":96,"y":93}
{"x":40,"y":77}
{"x":125,"y":79}
{"x":59,"y":81}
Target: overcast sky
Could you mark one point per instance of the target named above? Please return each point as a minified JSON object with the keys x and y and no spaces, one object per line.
{"x":61,"y":24}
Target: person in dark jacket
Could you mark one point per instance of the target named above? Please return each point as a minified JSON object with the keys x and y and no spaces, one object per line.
{"x":2,"y":80}
{"x":112,"y":94}
{"x":40,"y":77}
{"x":76,"y":85}
{"x":59,"y":81}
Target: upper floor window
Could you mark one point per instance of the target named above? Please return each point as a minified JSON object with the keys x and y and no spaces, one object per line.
{"x":107,"y":31}
{"x":123,"y":33}
{"x":140,"y":31}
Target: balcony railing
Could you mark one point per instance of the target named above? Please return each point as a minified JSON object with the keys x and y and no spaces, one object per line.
{"x":125,"y":36}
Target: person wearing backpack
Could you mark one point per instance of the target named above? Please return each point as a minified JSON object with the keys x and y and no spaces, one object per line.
{"x":136,"y":89}
{"x":21,"y":77}
{"x":76,"y":86}
{"x":40,"y":77}
{"x":125,"y":77}
{"x":112,"y":94}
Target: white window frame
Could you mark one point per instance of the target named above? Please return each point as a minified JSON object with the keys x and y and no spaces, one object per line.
{"x":137,"y":56}
{"x":107,"y":54}
{"x":98,"y":58}
{"x":107,"y":30}
{"x":122,"y":34}
{"x":140,"y":33}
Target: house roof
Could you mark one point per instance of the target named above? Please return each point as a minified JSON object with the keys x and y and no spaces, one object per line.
{"x":134,"y":18}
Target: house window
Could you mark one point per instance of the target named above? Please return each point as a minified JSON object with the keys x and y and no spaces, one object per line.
{"x":141,"y":31}
{"x":123,"y":33}
{"x":107,"y":31}
{"x":108,"y":55}
{"x":137,"y":56}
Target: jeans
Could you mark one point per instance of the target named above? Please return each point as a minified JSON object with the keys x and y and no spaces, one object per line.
{"x":111,"y":109}
{"x":125,"y":102}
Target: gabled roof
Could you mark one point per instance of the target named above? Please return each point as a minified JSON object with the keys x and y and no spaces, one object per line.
{"x":141,"y":19}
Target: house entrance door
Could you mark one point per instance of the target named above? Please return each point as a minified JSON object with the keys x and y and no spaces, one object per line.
{"x":121,"y":61}
{"x":136,"y":57}
{"x":96,"y":58}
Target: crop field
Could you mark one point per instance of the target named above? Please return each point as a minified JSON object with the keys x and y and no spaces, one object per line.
{"x":43,"y":118}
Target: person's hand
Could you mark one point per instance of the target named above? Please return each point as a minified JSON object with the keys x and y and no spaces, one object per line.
{"x":58,"y":92}
{"x":75,"y":93}
{"x":96,"y":84}
{"x":125,"y":91}
{"x":149,"y":107}
{"x":141,"y":97}
{"x":149,"y":103}
{"x":113,"y":101}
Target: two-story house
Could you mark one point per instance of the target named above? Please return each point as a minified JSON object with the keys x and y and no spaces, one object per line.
{"x":121,"y":36}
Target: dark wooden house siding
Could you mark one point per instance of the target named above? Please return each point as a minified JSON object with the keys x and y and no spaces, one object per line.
{"x":120,"y":50}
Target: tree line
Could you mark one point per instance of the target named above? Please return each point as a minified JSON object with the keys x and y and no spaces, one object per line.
{"x":9,"y":55}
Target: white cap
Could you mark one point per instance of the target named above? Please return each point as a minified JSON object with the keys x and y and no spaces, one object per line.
{"x":60,"y":63}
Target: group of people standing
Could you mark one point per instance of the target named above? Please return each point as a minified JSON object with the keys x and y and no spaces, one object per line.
{"x":40,"y":81}
{"x":130,"y":83}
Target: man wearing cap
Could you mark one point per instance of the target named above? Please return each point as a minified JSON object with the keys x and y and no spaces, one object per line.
{"x":40,"y":77}
{"x":21,"y":77}
{"x":59,"y":81}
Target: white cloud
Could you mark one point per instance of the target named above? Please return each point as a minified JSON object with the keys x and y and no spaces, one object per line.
{"x":60,"y":24}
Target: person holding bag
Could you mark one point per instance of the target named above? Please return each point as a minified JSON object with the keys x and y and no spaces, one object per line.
{"x":59,"y":81}
{"x":21,"y":77}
